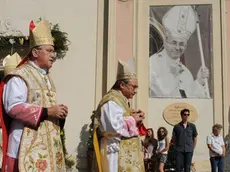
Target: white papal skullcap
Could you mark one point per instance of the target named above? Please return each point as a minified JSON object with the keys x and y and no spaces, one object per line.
{"x":180,"y":21}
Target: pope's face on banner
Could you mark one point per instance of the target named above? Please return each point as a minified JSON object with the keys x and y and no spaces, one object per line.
{"x":129,"y":89}
{"x":45,"y":56}
{"x":175,"y":46}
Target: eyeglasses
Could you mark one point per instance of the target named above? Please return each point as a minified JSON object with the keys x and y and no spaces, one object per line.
{"x":175,"y":43}
{"x":133,"y":86}
{"x":48,"y":51}
{"x":186,"y":114}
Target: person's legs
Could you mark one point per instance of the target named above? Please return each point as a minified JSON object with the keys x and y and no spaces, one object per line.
{"x":163,"y":159}
{"x":161,"y":167}
{"x":221,"y":164}
{"x":213,"y":163}
{"x":146,"y":164}
{"x":187,"y":161}
{"x":154,"y":165}
{"x":179,"y":161}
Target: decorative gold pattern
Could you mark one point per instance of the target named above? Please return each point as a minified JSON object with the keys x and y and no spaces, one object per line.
{"x":41,"y":149}
{"x":41,"y":34}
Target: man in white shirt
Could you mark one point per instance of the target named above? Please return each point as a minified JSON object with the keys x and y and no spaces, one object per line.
{"x":216,"y":146}
{"x":118,"y":126}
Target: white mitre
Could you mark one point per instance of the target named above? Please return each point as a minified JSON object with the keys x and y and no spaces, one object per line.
{"x":180,"y":21}
{"x":10,"y":62}
{"x":126,"y":71}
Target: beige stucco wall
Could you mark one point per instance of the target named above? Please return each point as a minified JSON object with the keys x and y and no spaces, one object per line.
{"x":228,"y":38}
{"x":75,"y":76}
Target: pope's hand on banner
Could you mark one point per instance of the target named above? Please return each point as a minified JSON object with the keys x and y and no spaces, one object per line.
{"x":202,"y":74}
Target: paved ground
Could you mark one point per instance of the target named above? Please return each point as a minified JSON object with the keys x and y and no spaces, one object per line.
{"x":202,"y":166}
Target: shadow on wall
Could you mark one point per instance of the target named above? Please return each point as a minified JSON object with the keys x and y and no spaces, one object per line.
{"x":81,"y":150}
{"x":227,"y":142}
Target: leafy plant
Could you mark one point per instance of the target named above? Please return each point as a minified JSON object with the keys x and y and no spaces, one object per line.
{"x":69,"y":161}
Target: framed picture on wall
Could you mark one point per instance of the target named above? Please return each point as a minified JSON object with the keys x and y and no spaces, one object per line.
{"x":177,"y":35}
{"x":179,"y":52}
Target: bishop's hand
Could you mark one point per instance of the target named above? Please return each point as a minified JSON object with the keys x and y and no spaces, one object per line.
{"x":59,"y":111}
{"x":138,"y":115}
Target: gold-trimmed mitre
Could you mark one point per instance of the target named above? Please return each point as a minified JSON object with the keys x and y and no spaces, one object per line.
{"x":40,"y":34}
{"x":180,"y":21}
{"x":10,"y":62}
{"x":124,"y":71}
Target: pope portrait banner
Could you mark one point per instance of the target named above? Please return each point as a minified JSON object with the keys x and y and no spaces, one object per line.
{"x":180,"y":51}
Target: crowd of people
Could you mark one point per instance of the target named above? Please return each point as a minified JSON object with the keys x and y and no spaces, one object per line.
{"x":155,"y":150}
{"x":183,"y":140}
{"x":157,"y":154}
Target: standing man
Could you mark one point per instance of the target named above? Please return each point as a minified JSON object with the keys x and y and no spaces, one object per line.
{"x":31,"y":119}
{"x":170,"y":78}
{"x":117,"y":123}
{"x":216,"y":146}
{"x":184,"y":139}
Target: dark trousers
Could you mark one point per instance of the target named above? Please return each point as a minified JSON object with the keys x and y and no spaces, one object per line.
{"x":183,"y":161}
{"x":217,"y":162}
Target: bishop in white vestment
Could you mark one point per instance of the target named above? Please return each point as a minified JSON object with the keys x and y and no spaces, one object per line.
{"x":31,"y":119}
{"x":118,"y":126}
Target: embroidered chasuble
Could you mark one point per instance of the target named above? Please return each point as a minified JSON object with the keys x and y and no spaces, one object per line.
{"x":130,"y":157}
{"x":41,"y":147}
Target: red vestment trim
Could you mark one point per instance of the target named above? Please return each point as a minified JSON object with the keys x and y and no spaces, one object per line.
{"x":25,"y":59}
{"x":5,"y":123}
{"x":142,"y":129}
{"x":32,"y":25}
{"x":11,"y":165}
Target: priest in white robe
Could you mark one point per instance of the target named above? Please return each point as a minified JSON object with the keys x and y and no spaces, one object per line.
{"x":119,"y":127}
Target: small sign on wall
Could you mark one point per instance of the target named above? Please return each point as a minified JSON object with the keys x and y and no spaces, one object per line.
{"x":171,"y":113}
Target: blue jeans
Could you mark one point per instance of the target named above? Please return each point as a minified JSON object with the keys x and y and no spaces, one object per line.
{"x":183,"y":161}
{"x":217,"y":162}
